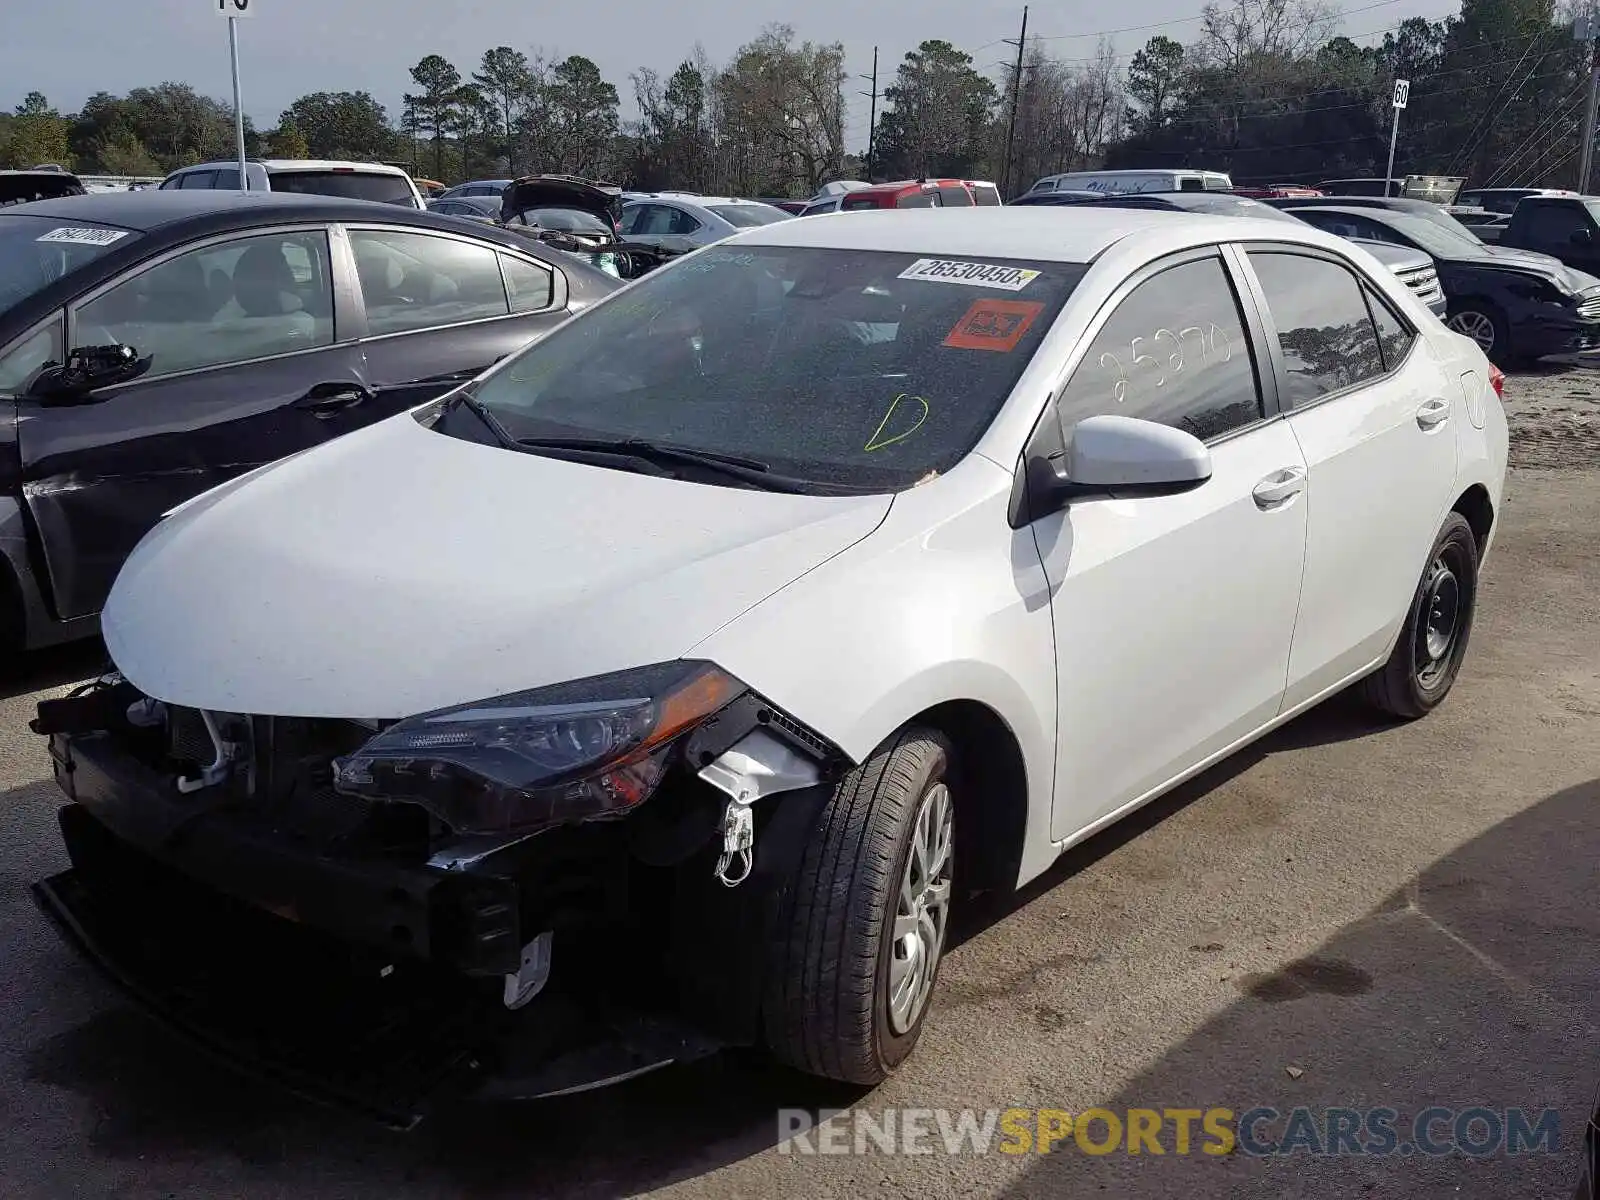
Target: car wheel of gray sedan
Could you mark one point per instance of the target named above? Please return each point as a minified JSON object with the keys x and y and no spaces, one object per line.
{"x":1484,"y":325}
{"x":861,"y":929}
{"x":1433,"y":641}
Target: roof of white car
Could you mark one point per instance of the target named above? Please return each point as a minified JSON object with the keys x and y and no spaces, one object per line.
{"x":1057,"y":234}
{"x":304,"y":164}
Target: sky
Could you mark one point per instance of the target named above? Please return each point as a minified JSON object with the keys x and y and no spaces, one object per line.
{"x":290,"y":47}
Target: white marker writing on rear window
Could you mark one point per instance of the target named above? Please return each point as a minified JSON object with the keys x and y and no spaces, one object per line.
{"x":84,"y":237}
{"x":972,"y":274}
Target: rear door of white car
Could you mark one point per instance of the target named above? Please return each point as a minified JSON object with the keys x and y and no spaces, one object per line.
{"x":1173,"y":616}
{"x":1371,"y":408}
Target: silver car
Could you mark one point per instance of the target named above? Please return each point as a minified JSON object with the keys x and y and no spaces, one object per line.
{"x":684,"y":223}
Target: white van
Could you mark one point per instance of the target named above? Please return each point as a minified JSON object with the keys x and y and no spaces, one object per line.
{"x":1177,"y":180}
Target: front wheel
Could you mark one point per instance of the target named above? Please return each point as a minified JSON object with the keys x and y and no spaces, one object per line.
{"x":1433,"y":641}
{"x":860,"y":932}
{"x":1484,"y":324}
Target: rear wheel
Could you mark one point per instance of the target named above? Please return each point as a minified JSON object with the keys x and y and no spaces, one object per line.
{"x":860,"y":934}
{"x":1433,"y":642}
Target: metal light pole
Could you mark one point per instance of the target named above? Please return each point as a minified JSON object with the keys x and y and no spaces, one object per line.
{"x":1402,"y":92}
{"x":233,"y":10}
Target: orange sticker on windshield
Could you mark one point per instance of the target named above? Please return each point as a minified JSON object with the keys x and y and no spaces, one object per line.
{"x":993,"y":325}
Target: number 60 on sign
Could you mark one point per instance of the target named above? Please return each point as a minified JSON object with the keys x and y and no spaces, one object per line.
{"x":234,"y":8}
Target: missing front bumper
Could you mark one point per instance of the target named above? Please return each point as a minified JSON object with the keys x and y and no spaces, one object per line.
{"x":389,"y":1039}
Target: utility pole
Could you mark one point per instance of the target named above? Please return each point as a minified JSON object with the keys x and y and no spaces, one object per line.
{"x":872,"y":118}
{"x":1016,"y":92}
{"x":1586,"y":29}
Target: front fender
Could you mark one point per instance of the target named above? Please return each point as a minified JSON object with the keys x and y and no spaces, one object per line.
{"x":943,"y":602}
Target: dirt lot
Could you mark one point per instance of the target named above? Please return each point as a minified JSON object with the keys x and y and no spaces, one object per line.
{"x":1403,"y":916}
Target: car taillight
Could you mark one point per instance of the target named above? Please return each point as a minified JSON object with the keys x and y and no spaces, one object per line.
{"x":1497,"y":380}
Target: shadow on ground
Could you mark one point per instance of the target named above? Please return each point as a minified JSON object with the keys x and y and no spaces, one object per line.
{"x":153,"y":1097}
{"x":1473,"y":986}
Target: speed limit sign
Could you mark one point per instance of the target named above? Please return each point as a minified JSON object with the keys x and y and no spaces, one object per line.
{"x":233,"y":8}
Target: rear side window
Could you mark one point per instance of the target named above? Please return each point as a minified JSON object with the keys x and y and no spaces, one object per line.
{"x":928,"y":199}
{"x":850,"y":203}
{"x":351,"y":185}
{"x":1191,"y":185}
{"x":954,"y":197}
{"x":1174,"y":351}
{"x":1394,"y":337}
{"x":985,"y":194}
{"x":1328,"y":338}
{"x":530,"y":287}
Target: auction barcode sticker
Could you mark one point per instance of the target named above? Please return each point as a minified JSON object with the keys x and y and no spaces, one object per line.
{"x":972,"y":274}
{"x":82,"y":236}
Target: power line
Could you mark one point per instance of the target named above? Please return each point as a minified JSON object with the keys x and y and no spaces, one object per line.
{"x":1099,"y":33}
{"x":1486,"y":119}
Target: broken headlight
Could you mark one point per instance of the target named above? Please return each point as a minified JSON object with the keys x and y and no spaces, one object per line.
{"x":573,"y":751}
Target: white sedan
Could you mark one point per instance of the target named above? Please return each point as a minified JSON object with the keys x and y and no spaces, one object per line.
{"x":768,"y":600}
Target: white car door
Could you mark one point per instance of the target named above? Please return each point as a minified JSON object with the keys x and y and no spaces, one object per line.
{"x":1173,"y":616}
{"x":1372,"y":409}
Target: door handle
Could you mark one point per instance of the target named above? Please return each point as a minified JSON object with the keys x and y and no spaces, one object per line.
{"x":328,"y":398}
{"x":1280,"y":487}
{"x":1433,"y":413}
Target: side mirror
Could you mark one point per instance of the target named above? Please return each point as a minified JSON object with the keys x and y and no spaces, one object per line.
{"x":1582,"y":237}
{"x":88,"y":369}
{"x":1124,"y":457}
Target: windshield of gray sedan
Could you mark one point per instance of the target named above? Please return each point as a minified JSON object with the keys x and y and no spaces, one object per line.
{"x":37,"y":251}
{"x":863,"y":369}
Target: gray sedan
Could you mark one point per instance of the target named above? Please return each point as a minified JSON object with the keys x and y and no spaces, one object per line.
{"x":681,"y":224}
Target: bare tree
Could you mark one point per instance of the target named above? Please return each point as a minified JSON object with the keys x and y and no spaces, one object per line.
{"x":1231,"y":36}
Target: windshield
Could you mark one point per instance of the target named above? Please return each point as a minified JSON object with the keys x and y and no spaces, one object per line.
{"x":1443,"y":236}
{"x":868,"y":370}
{"x":571,"y":220}
{"x":352,"y":185}
{"x":748,"y":216}
{"x":37,"y":251}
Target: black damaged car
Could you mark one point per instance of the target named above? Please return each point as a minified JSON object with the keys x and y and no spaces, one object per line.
{"x":156,"y":344}
{"x":1516,"y":306}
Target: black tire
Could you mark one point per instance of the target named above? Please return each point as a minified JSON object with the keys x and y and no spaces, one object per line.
{"x":1415,"y":681}
{"x":826,"y":1009}
{"x":1501,"y":352}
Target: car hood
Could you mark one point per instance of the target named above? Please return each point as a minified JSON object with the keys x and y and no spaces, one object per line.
{"x":604,"y":200}
{"x":1526,"y":258}
{"x":1396,"y":258}
{"x":1544,"y":265}
{"x":398,"y":570}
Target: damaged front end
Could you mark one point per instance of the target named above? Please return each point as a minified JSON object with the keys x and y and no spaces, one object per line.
{"x":523,"y":896}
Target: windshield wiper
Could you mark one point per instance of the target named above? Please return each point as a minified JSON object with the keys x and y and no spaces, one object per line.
{"x":735,"y":466}
{"x":646,"y":449}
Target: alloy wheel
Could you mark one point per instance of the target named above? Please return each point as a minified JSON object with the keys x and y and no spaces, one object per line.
{"x":922,"y":909}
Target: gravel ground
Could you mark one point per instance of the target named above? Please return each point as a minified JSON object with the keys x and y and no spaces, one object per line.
{"x":1346,"y":915}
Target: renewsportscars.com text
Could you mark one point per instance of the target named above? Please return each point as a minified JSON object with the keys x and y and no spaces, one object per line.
{"x":1477,"y":1131}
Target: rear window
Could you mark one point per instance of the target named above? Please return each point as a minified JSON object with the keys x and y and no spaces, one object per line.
{"x":866,"y":370}
{"x":37,"y":251}
{"x":748,"y":216}
{"x":351,"y":185}
{"x":860,"y":201}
